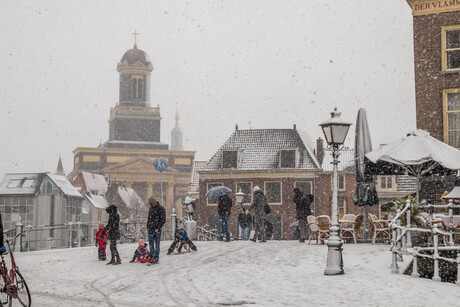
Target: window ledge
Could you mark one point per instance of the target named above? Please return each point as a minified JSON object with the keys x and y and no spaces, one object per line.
{"x":450,"y":72}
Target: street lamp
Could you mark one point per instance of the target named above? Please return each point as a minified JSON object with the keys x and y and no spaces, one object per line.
{"x":335,"y":131}
{"x":239,"y":199}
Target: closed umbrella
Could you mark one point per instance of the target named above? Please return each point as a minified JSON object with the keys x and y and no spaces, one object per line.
{"x":365,"y":193}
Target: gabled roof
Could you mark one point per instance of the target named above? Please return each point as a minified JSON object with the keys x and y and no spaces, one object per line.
{"x":97,"y":201}
{"x":95,"y":182}
{"x":346,"y":160}
{"x":130,"y":198}
{"x":194,"y":181}
{"x":258,"y":149}
{"x":66,"y":187}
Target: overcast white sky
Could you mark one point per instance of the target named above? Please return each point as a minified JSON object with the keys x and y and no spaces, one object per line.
{"x":261,"y":64}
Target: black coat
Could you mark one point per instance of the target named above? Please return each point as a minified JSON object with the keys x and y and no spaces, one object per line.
{"x":157,"y":217}
{"x":244,"y":220}
{"x":113,"y":225}
{"x":302,"y":205}
{"x":224,"y":206}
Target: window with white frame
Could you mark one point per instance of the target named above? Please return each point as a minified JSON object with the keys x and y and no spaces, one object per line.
{"x":304,"y":187}
{"x":340,"y":182}
{"x":273,"y":191}
{"x":451,"y":115}
{"x":386,"y":182}
{"x":213,"y":200}
{"x":450,"y":48}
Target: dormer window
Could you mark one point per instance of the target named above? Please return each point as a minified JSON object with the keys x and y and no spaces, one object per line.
{"x":47,"y":187}
{"x":229,"y":159}
{"x":287,"y":158}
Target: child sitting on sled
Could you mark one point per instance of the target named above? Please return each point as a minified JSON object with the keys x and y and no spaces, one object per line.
{"x":181,"y":240}
{"x":141,"y":254}
{"x":101,"y":242}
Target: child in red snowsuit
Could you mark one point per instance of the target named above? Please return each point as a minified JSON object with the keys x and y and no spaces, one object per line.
{"x":141,"y":254}
{"x":101,"y":242}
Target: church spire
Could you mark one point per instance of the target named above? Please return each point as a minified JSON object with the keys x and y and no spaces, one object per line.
{"x":176,"y":133}
{"x":60,"y":169}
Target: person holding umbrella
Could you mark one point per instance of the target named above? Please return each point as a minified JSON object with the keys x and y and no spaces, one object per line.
{"x":224,"y":208}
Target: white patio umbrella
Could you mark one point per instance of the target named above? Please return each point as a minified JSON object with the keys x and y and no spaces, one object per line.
{"x":418,"y":153}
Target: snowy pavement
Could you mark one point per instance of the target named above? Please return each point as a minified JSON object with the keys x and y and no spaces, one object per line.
{"x":277,"y":273}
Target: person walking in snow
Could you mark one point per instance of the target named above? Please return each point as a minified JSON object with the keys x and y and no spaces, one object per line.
{"x":181,"y":240}
{"x":302,"y":206}
{"x":101,"y":243}
{"x":244,"y":220}
{"x":155,"y":221}
{"x":113,"y":228}
{"x":224,"y":209}
{"x":141,"y":254}
{"x":258,"y":204}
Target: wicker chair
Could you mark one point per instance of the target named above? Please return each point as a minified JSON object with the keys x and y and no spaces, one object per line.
{"x":358,"y":222}
{"x":347,"y":227}
{"x":324,"y":223}
{"x":314,"y":229}
{"x":380,"y":229}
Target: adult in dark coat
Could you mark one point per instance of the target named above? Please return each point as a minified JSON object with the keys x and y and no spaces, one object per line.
{"x":155,"y":221}
{"x":224,"y":208}
{"x":258,"y":204}
{"x":244,"y":220}
{"x":113,"y":227}
{"x":302,"y":206}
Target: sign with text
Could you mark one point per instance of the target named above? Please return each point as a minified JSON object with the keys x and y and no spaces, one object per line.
{"x":424,"y":7}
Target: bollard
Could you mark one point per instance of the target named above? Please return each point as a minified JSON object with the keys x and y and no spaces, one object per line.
{"x":436,"y":255}
{"x":414,"y":266}
{"x":17,"y":244}
{"x":458,"y":269}
{"x":28,"y":237}
{"x":70,"y":234}
{"x":394,"y":263}
{"x":79,"y":233}
{"x":408,"y":236}
{"x":451,"y":228}
{"x":173,"y":223}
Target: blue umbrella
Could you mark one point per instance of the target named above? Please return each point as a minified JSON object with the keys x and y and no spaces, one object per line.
{"x":218,"y":191}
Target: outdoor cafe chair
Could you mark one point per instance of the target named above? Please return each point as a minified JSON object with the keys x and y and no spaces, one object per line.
{"x":314,"y":229}
{"x":347,"y":227}
{"x":324,"y":223}
{"x":380,"y":229}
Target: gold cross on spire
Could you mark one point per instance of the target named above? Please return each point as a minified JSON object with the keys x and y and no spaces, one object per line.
{"x":135,"y":36}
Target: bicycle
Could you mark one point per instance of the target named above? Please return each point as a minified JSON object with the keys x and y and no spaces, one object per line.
{"x":12,"y":284}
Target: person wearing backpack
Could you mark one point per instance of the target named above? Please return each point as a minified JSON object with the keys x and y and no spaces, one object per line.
{"x":259,"y":205}
{"x":302,"y":206}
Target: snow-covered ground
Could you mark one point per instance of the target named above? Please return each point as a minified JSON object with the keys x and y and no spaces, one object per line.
{"x":277,"y":273}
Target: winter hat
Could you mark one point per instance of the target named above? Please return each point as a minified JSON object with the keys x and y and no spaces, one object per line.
{"x":180,"y":233}
{"x":256,"y":188}
{"x":152,"y":200}
{"x":141,"y":242}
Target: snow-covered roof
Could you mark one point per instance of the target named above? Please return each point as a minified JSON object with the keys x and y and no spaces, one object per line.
{"x":346,"y":159}
{"x":130,"y":197}
{"x":27,"y":183}
{"x":66,"y":187}
{"x":97,"y":201}
{"x":259,"y":149}
{"x":194,"y":181}
{"x":95,"y":182}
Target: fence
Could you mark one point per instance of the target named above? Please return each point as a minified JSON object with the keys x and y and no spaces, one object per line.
{"x":79,"y":234}
{"x":402,"y":241}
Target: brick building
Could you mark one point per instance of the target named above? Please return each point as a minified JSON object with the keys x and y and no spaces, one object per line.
{"x":437,"y":78}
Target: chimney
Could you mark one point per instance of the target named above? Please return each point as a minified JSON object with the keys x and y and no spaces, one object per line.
{"x":319,"y":150}
{"x":295,"y":127}
{"x":236,"y":127}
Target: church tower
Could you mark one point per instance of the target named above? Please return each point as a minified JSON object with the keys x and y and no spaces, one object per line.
{"x":60,"y":169}
{"x":176,"y":134}
{"x":133,"y":122}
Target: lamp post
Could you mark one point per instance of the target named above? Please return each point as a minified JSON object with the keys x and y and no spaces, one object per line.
{"x":239,"y":199}
{"x":335,"y":131}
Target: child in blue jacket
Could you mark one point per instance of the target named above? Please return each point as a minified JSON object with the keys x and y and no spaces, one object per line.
{"x":181,"y":239}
